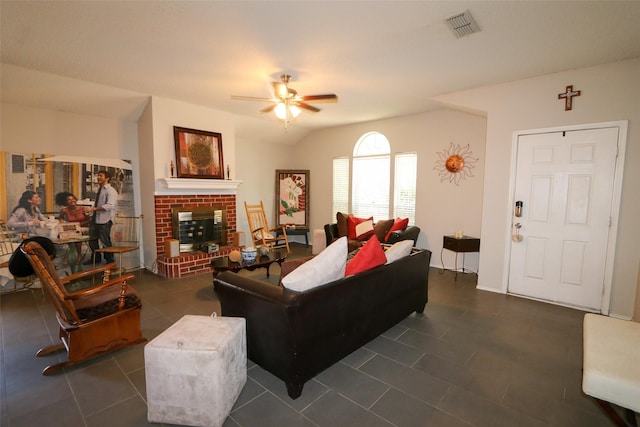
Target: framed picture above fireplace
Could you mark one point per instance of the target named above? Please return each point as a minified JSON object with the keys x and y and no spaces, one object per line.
{"x":198,"y":153}
{"x":292,"y":198}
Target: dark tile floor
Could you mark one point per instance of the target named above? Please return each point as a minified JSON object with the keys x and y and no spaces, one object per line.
{"x":474,"y":359}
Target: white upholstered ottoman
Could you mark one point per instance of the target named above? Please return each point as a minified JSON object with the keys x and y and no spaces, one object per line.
{"x":195,"y":370}
{"x":611,"y":368}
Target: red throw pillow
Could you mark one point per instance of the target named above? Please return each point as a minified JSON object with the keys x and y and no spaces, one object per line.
{"x":370,"y":255}
{"x":398,"y":225}
{"x":352,"y":221}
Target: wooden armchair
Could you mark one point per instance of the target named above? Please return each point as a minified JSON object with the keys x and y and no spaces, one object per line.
{"x":93,"y":321}
{"x":260,"y":231}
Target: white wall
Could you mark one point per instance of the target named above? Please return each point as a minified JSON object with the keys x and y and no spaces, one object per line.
{"x":609,"y":92}
{"x":257,"y":163}
{"x":157,"y":149}
{"x":27,"y":129}
{"x":442,"y":207}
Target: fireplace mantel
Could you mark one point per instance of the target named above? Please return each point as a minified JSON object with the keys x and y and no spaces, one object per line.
{"x":201,"y":186}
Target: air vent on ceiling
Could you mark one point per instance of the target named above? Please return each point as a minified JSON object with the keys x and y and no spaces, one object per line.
{"x":462,"y":24}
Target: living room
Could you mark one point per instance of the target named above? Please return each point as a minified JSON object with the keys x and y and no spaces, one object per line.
{"x":484,"y":117}
{"x":477,"y":205}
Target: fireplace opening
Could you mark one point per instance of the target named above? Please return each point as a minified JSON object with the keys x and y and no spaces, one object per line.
{"x":194,"y":227}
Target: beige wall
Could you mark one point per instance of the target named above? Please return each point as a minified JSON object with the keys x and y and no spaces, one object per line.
{"x":441,"y":207}
{"x":636,"y":311}
{"x":609,"y":93}
{"x":40,"y":131}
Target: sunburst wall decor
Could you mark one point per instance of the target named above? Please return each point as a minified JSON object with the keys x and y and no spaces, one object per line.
{"x":455,"y":163}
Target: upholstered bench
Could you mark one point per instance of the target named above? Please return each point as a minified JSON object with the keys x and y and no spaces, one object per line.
{"x":195,"y":370}
{"x":611,"y":371}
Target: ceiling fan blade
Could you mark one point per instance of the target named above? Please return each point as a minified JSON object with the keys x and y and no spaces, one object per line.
{"x":307,"y":107}
{"x":268,"y":108}
{"x":251,"y":98}
{"x":329,"y":97}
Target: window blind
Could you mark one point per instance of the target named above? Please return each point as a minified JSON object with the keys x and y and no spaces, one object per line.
{"x":404,"y":192}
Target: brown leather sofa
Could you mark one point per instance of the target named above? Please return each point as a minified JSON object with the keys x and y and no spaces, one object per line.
{"x":340,"y":228}
{"x":410,"y":233}
{"x":296,"y":335}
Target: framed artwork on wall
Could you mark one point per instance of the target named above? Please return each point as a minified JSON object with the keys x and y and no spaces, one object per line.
{"x":292,"y":198}
{"x":198,"y":153}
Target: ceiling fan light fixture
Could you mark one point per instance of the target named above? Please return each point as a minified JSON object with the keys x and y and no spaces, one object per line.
{"x":281,"y":111}
{"x":286,"y":112}
{"x":286,"y":103}
{"x":295,"y":111}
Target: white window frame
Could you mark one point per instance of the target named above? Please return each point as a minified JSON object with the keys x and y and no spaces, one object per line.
{"x":374,"y":148}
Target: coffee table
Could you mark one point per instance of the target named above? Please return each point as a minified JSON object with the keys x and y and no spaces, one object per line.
{"x":223,"y":263}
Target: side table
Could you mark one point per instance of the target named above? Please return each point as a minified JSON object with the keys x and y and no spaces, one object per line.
{"x":462,"y":245}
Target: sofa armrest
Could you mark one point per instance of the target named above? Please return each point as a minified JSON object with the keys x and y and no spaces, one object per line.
{"x":245,"y":288}
{"x":409,"y":233}
{"x":331,"y":232}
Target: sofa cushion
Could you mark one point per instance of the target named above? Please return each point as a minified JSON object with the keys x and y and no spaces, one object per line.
{"x":258,"y":235}
{"x":370,"y":255}
{"x":364,"y":230}
{"x":342,"y":222}
{"x":398,"y":225}
{"x":398,"y":250}
{"x":381,"y":228}
{"x":327,"y":266}
{"x":353,"y":221}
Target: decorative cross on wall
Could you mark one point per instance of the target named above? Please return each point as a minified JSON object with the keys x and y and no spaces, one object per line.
{"x":567,"y":95}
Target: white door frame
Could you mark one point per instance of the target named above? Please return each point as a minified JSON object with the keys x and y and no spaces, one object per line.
{"x":622,"y":126}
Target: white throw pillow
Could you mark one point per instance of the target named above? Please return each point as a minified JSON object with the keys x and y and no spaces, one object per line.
{"x":325,"y":267}
{"x":398,"y":250}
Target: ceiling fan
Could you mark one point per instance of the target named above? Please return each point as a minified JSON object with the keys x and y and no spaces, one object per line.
{"x":286,"y":103}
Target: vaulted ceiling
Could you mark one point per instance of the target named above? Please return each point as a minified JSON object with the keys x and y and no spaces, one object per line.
{"x":382,"y":58}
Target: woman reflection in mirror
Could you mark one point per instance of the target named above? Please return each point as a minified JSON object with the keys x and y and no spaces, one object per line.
{"x":27,"y":214}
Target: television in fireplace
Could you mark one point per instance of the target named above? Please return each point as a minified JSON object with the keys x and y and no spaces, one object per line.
{"x":194,"y":227}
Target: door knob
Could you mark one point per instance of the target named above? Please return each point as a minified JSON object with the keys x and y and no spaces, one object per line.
{"x":516,"y":236}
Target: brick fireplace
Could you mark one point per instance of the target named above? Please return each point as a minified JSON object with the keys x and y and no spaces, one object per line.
{"x":194,"y":262}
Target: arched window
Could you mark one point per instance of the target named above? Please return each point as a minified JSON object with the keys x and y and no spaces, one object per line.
{"x":371,"y":177}
{"x":371,"y":192}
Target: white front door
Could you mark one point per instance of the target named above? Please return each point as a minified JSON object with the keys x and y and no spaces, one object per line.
{"x":565,"y":181}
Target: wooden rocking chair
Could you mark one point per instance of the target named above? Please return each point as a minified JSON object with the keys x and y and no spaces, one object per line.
{"x":93,"y":321}
{"x":261,"y":234}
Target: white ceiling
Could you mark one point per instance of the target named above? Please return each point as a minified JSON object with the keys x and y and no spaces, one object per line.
{"x":382,"y":58}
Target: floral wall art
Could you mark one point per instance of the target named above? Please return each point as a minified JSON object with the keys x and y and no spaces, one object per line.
{"x":292,"y":198}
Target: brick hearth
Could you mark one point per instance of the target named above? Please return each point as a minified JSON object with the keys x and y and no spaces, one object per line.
{"x":196,"y":262}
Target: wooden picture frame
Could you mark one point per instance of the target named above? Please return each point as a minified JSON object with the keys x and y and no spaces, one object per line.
{"x":198,"y":153}
{"x":292,"y":198}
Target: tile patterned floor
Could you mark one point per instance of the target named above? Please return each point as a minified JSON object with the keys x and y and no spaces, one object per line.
{"x":474,"y":359}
